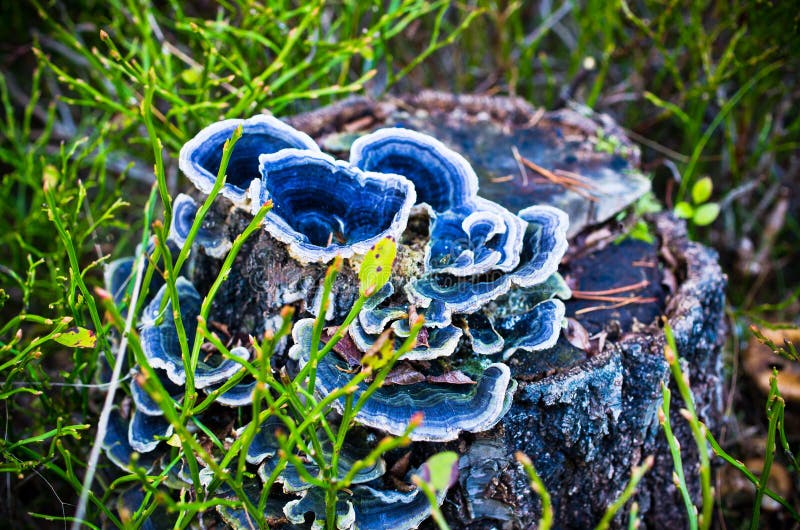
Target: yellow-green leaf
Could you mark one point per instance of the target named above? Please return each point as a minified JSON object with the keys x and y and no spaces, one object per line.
{"x":192,"y":76}
{"x":376,"y":269}
{"x":705,"y":214}
{"x":77,"y":338}
{"x":684,"y":210}
{"x":701,"y":191}
{"x":49,"y":177}
{"x":440,"y":468}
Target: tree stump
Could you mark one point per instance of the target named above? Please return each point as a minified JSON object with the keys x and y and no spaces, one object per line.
{"x":584,"y":414}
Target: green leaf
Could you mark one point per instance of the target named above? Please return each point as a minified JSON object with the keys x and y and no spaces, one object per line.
{"x":701,"y":191}
{"x":705,"y":214}
{"x":641,"y":231}
{"x":647,"y":203}
{"x":440,"y":469}
{"x":192,"y":76}
{"x":77,"y":338}
{"x":376,"y":269}
{"x":49,"y":177}
{"x":684,"y":210}
{"x":668,"y":106}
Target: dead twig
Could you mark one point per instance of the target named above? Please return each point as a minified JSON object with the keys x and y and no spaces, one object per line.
{"x":627,"y":301}
{"x":589,"y":295}
{"x":572,"y":181}
{"x":504,"y":178}
{"x":518,"y":158}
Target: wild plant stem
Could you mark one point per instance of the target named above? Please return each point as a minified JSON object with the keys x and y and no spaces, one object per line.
{"x":319,"y":321}
{"x":146,"y":110}
{"x":219,"y":183}
{"x":775,"y":405}
{"x":538,"y":487}
{"x":436,"y":512}
{"x":696,"y":426}
{"x":205,"y":307}
{"x":108,"y":403}
{"x":637,"y":473}
{"x":720,"y":452}
{"x":677,"y":462}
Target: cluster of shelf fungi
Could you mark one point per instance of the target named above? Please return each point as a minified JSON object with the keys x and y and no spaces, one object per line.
{"x":495,"y":373}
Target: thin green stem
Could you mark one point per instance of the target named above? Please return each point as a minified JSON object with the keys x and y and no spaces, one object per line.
{"x":538,"y":487}
{"x":637,"y":473}
{"x":739,"y":465}
{"x":677,"y":462}
{"x":219,"y":183}
{"x":205,"y":307}
{"x":697,"y":427}
{"x":775,"y":406}
{"x":319,"y":322}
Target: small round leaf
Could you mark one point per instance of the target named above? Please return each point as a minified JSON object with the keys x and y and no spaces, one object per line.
{"x":701,"y":191}
{"x":705,"y":214}
{"x":376,"y":269}
{"x":684,"y":210}
{"x":77,"y":338}
{"x":440,"y":470}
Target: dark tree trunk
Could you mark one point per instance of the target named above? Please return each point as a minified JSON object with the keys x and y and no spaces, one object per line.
{"x":585,"y":415}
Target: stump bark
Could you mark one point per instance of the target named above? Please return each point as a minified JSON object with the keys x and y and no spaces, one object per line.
{"x":585,"y":415}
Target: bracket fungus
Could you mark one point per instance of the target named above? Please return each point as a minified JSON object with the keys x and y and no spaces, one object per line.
{"x":365,"y":508}
{"x":146,"y":425}
{"x":265,"y":446}
{"x":212,"y":238}
{"x":475,"y":238}
{"x":442,"y":178}
{"x":448,"y":409}
{"x":483,"y":278}
{"x":161,"y":344}
{"x":324,"y":207}
{"x":201,"y":156}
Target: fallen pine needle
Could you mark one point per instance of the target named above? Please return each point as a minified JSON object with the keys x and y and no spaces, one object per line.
{"x":627,"y":301}
{"x":519,"y":159}
{"x":588,"y":295}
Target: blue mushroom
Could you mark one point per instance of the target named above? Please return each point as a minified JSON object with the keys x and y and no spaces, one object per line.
{"x":443,"y":178}
{"x":485,"y":280}
{"x":474,"y":238}
{"x":537,"y":329}
{"x":119,"y":449}
{"x":375,"y":315}
{"x":448,"y":409}
{"x":161,"y":346}
{"x":147,"y":426}
{"x":484,"y":338}
{"x":323,"y":208}
{"x":441,"y":337}
{"x":201,"y":156}
{"x":366,"y":508}
{"x":440,"y":342}
{"x":265,"y":446}
{"x":213,"y":239}
{"x":145,"y":432}
{"x":119,"y":274}
{"x":544,"y":244}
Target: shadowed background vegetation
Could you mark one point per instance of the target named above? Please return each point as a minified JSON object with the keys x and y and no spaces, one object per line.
{"x":706,"y":88}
